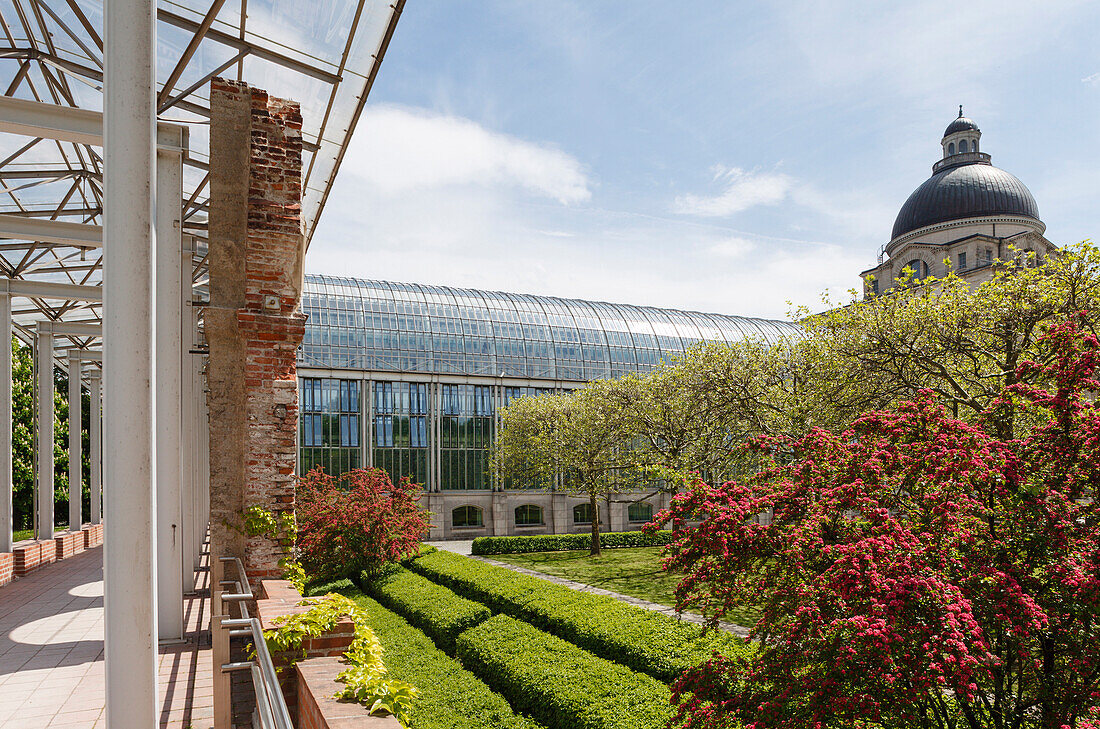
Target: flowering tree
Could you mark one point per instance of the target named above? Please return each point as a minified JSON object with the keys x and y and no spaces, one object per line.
{"x":356,"y":522}
{"x":917,"y":571}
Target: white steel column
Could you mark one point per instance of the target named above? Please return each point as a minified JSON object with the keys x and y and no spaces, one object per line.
{"x":129,"y":559}
{"x":76,"y":460}
{"x":170,"y":508}
{"x":95,"y":448}
{"x":43,"y":397}
{"x":6,"y":513}
{"x":187,"y":419}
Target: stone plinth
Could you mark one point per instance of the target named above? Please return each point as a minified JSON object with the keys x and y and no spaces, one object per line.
{"x":318,"y":710}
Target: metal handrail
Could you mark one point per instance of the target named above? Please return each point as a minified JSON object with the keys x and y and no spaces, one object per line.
{"x":270,"y":704}
{"x":269,"y":696}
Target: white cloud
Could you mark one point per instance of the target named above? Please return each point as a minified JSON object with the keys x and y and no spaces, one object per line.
{"x":732,"y":247}
{"x":398,"y":150}
{"x":1092,"y":79}
{"x":742,"y":190}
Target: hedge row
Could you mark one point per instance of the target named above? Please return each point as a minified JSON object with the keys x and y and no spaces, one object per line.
{"x":565,"y":542}
{"x":450,"y":696}
{"x":560,"y":684}
{"x":647,"y":641}
{"x":433,"y":608}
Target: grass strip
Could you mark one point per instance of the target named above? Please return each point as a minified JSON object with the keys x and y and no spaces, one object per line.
{"x":557,"y":682}
{"x":646,"y":641}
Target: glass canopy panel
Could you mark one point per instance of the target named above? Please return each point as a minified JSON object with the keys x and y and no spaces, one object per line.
{"x":323,"y":54}
{"x":441,"y":330}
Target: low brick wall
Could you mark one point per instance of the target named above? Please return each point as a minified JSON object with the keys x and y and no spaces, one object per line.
{"x":93,"y":535}
{"x":7,"y":567}
{"x":69,"y":544}
{"x":317,"y":709}
{"x":30,"y":556}
{"x":279,"y":598}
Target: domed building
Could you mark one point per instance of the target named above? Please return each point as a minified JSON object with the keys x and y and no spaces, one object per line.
{"x":963,"y":218}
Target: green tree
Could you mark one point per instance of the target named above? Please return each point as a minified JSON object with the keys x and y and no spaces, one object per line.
{"x":580,"y":437}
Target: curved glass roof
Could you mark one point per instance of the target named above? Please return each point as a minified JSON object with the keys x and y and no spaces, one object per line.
{"x":400,"y":327}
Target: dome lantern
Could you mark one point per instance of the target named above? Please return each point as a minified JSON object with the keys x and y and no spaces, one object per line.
{"x":961,"y":136}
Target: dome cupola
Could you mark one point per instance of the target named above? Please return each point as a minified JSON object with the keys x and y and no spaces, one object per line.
{"x":960,"y":137}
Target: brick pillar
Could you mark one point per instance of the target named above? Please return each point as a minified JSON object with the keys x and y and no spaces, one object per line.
{"x":253,"y":324}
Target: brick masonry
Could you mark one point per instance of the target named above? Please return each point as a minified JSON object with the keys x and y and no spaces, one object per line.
{"x":7,"y":567}
{"x":318,"y":710}
{"x":93,"y":535}
{"x":253,"y":324}
{"x":69,"y":544}
{"x":280,"y":598}
{"x":30,"y":556}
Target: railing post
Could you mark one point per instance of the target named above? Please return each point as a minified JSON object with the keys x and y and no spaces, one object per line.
{"x":223,"y":708}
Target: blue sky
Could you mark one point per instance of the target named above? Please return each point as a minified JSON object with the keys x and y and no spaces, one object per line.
{"x":718,"y":156}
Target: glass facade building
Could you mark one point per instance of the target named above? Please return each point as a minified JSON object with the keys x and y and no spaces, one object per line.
{"x":410,"y":378}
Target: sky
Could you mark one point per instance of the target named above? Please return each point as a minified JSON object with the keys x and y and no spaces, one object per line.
{"x":731,"y":157}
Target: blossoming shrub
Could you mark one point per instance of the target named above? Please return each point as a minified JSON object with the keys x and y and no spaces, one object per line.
{"x":558,"y":683}
{"x":356,"y":522}
{"x":916,"y":571}
{"x":440,"y":613}
{"x":647,"y":641}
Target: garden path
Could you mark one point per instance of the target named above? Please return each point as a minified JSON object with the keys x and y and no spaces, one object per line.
{"x":464,"y":546}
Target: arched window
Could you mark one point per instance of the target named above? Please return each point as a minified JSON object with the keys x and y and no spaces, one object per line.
{"x":640,"y":512}
{"x":962,"y":146}
{"x":919,"y":269}
{"x":466,"y":516}
{"x":974,"y":146}
{"x":582,"y":514}
{"x":951,"y":148}
{"x":528,"y":515}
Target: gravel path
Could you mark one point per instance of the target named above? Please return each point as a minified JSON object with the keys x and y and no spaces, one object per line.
{"x":463,"y":547}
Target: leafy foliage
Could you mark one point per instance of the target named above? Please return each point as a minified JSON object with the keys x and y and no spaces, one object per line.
{"x":917,"y":571}
{"x":356,"y":522}
{"x":279,"y":527}
{"x":565,"y":542}
{"x":450,"y":696}
{"x":564,"y":686}
{"x":433,"y":608}
{"x":365,"y":678}
{"x":646,"y":641}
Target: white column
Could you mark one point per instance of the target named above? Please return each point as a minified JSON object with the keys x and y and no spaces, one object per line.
{"x":187,"y":415}
{"x":129,"y":559}
{"x":170,"y":509}
{"x":6,"y":513}
{"x":43,"y":396}
{"x":95,"y":448}
{"x":76,"y":457}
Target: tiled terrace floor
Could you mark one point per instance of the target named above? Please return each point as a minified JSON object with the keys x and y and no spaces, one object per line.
{"x":51,"y":652}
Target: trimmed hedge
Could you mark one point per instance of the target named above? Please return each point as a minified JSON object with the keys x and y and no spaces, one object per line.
{"x":566,"y":542}
{"x":647,"y":641}
{"x":433,"y":608}
{"x":557,"y":682}
{"x":344,"y":587}
{"x":450,"y":696}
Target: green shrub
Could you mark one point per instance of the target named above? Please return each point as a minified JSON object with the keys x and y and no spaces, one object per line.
{"x":566,"y":542}
{"x":450,"y":696}
{"x":647,"y":641}
{"x":315,"y":588}
{"x":433,"y":608}
{"x":557,"y":682}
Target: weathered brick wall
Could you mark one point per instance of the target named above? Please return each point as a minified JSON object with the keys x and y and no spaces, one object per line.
{"x":253,"y":324}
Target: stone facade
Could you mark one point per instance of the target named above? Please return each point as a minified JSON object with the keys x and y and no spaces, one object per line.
{"x":253,"y":324}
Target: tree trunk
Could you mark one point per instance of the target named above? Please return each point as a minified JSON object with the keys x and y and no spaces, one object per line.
{"x":594,"y":549}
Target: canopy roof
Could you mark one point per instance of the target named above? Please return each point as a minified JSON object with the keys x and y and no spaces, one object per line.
{"x":323,"y":54}
{"x":399,"y":327}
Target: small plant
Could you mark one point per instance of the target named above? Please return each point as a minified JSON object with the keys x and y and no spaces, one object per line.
{"x":365,"y":678}
{"x":279,"y":527}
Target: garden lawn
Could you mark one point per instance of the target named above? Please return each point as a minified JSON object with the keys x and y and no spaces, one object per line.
{"x":634,"y":571}
{"x":20,"y":534}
